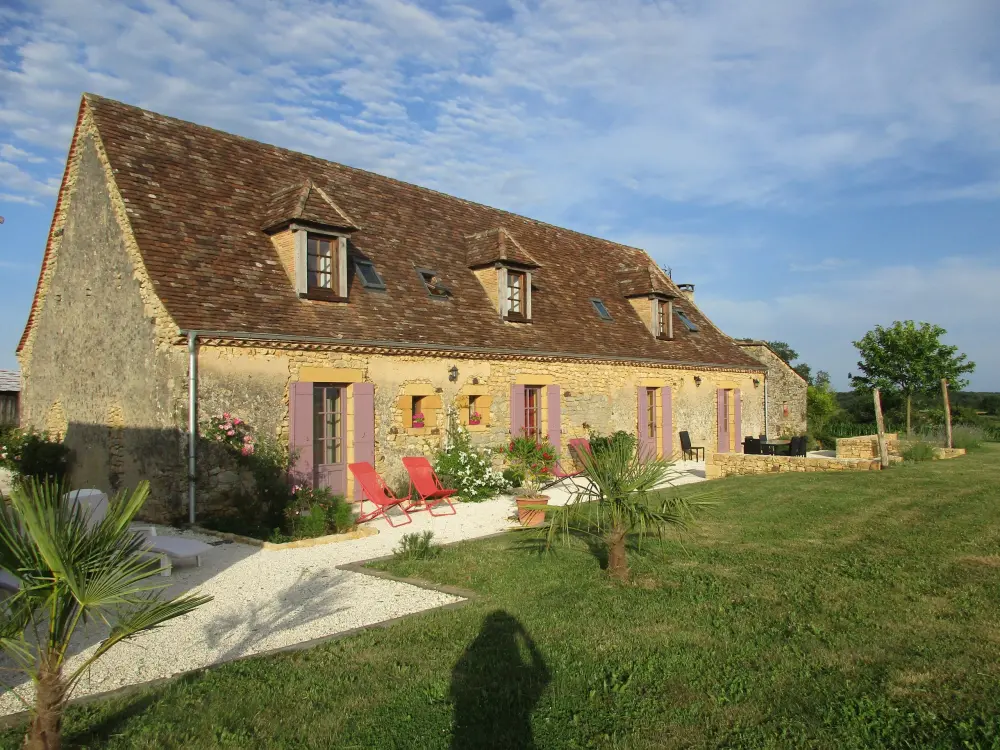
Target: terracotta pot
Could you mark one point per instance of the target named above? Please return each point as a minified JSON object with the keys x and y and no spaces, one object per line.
{"x":530,"y":510}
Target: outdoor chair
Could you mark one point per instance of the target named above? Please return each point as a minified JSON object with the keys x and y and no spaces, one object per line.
{"x":428,"y":486}
{"x":751,"y":446}
{"x":577,"y":447}
{"x":377,"y":492}
{"x":690,"y":450}
{"x":798,"y":446}
{"x":167,"y":549}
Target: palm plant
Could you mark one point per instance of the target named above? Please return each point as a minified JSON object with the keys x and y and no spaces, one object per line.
{"x":620,"y":493}
{"x":73,"y":570}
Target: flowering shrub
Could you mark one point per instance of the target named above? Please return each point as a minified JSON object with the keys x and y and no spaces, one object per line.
{"x":418,"y":419}
{"x":231,"y":431}
{"x":475,"y":418}
{"x":29,"y":454}
{"x":10,"y":448}
{"x":532,"y":458}
{"x":466,"y":468}
{"x":314,"y":512}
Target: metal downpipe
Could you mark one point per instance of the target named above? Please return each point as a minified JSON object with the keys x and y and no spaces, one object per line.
{"x":192,"y":419}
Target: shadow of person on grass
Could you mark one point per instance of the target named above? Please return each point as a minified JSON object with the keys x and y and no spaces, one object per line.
{"x":495,"y":686}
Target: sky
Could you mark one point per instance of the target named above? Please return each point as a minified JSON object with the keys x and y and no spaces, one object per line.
{"x":814,"y":168}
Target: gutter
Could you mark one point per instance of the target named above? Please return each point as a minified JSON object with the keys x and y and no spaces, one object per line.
{"x":192,"y":338}
{"x":436,"y":348}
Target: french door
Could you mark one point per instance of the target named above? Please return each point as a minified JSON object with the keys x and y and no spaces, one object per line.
{"x":329,"y":446}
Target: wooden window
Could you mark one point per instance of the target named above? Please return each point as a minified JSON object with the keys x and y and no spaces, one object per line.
{"x":517,"y":306}
{"x":323,"y":264}
{"x":663,"y":324}
{"x":533,"y":410}
{"x":475,"y":417}
{"x":328,"y":424}
{"x":651,"y":417}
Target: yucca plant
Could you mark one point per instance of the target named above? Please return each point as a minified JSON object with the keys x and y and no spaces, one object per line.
{"x":621,"y":493}
{"x":73,"y":570}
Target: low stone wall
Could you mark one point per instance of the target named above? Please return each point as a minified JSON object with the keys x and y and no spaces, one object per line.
{"x":866,"y":446}
{"x":948,"y":452}
{"x":738,"y":464}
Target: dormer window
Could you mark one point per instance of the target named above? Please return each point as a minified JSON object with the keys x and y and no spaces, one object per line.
{"x":515,"y":294}
{"x":688,"y":323}
{"x":432,"y":283}
{"x":663,"y":321}
{"x":325,"y":266}
{"x":368,"y":275}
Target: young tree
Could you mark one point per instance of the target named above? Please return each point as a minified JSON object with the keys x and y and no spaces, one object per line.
{"x":909,"y":359}
{"x":783,"y":350}
{"x":72,"y":570}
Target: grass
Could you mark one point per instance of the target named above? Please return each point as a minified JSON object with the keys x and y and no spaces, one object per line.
{"x":808,"y":610}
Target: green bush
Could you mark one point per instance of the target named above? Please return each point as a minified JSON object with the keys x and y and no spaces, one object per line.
{"x":919,"y":450}
{"x":34,"y":455}
{"x":317,"y":512}
{"x":968,"y":437}
{"x":605,"y":443}
{"x":416,"y":547}
{"x":464,"y":467}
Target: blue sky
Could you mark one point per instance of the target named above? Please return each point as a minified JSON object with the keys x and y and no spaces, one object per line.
{"x":814,"y":168}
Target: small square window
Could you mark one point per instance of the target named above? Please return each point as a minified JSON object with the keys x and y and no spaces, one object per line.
{"x":368,"y":275}
{"x":601,"y":309}
{"x":432,"y":282}
{"x":688,"y":323}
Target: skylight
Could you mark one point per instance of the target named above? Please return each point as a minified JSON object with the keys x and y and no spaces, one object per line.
{"x":432,"y":282}
{"x":368,"y":275}
{"x":601,"y":309}
{"x":686,"y":321}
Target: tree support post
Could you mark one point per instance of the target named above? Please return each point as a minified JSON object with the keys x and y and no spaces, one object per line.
{"x":883,"y":450}
{"x":947,"y":412}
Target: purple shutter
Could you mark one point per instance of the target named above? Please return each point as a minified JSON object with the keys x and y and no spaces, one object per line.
{"x":720,"y":397}
{"x":738,"y":419}
{"x":555,"y":417}
{"x":516,"y":410}
{"x":364,"y":427}
{"x":300,"y":432}
{"x":668,"y":423}
{"x":647,"y":447}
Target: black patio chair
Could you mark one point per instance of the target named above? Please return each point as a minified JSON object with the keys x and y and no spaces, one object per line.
{"x":690,"y":450}
{"x":751,"y":446}
{"x":798,"y":446}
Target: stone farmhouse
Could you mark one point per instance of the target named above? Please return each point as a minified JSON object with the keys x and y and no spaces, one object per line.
{"x":786,"y":391}
{"x":346,"y":314}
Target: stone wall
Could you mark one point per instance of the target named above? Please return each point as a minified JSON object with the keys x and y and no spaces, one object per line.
{"x":737,"y":464}
{"x":866,"y":446}
{"x":943,"y":453}
{"x":786,"y":392}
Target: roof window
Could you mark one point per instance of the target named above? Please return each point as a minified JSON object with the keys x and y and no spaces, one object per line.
{"x":688,"y":323}
{"x":368,"y":275}
{"x":432,"y":282}
{"x":600,"y":308}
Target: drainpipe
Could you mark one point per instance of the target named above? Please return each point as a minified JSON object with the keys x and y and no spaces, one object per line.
{"x":192,"y":418}
{"x":765,"y":407}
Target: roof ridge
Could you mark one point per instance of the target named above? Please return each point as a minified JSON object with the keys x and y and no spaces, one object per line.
{"x":89,"y":95}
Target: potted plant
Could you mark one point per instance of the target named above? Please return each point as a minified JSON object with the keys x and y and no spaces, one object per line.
{"x":418,"y":419}
{"x":533,"y":459}
{"x":475,"y":418}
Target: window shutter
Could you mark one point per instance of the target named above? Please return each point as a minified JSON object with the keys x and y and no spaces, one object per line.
{"x":300,"y":432}
{"x":502,"y":285}
{"x":552,"y":393}
{"x":364,"y":427}
{"x":738,"y":419}
{"x":720,"y":397}
{"x":668,"y":423}
{"x":527,"y":295}
{"x":301,"y":237}
{"x":516,"y":410}
{"x":342,"y":266}
{"x":646,"y":448}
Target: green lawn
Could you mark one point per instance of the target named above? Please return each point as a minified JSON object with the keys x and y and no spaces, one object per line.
{"x":814,"y":610}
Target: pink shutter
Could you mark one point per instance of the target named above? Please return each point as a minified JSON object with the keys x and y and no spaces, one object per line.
{"x":647,"y":448}
{"x":300,"y":432}
{"x":516,"y":410}
{"x":552,"y":393}
{"x":720,"y":397}
{"x":667,"y":439}
{"x":738,"y":419}
{"x":364,"y":427}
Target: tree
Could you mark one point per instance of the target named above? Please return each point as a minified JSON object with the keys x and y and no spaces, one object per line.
{"x":783,"y":350}
{"x":821,"y":407}
{"x":823,"y":380}
{"x":73,"y":569}
{"x":805,"y":371}
{"x":619,"y":495}
{"x":909,"y":359}
{"x":991,"y":404}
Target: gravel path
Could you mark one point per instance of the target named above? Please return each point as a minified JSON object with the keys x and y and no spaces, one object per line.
{"x":265,"y":600}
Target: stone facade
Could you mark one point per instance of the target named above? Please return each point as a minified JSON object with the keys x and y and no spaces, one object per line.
{"x":866,"y":446}
{"x":737,"y":464}
{"x":786,"y":391}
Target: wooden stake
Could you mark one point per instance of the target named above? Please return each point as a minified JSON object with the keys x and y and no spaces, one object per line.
{"x":883,"y":450}
{"x":947,"y":411}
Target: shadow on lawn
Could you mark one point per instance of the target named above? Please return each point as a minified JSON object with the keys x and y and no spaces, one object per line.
{"x":495,"y":686}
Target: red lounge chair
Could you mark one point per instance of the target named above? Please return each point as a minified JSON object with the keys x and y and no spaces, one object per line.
{"x":427,"y":485}
{"x":577,"y":447}
{"x":376,"y":491}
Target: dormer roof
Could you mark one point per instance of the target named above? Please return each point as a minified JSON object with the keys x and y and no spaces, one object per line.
{"x":305,"y":202}
{"x":496,"y":245}
{"x":644,"y":280}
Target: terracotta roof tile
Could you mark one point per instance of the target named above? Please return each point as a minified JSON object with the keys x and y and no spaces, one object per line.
{"x":637,"y":281}
{"x":495,"y":245}
{"x":215,"y":269}
{"x":307,"y":203}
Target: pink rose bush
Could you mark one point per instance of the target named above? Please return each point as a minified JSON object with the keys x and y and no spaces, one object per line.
{"x":231,"y":431}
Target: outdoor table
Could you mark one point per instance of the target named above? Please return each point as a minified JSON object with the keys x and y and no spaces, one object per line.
{"x":775,"y":444}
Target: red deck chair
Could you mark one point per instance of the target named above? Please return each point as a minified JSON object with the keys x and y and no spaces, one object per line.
{"x":427,"y":485}
{"x":375,"y":490}
{"x":577,"y":446}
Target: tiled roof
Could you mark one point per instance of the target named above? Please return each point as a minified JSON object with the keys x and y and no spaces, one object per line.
{"x":646,"y":279}
{"x":306,"y":203}
{"x":496,"y":245}
{"x":10,"y":380}
{"x":199,"y":233}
